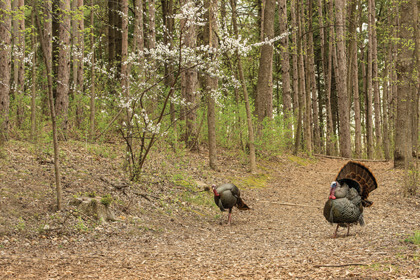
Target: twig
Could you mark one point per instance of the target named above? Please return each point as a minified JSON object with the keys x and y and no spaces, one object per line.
{"x":356,"y":159}
{"x":118,"y":187}
{"x":145,"y":196}
{"x":339,"y":265}
{"x":291,"y":204}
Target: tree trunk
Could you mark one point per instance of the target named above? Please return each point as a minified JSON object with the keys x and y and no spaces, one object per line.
{"x":111,"y":31}
{"x":375,"y":78}
{"x":328,"y":82}
{"x":301,"y":86}
{"x":125,"y":83}
{"x":5,"y":68}
{"x":306,"y":81}
{"x":324,"y":70}
{"x":416,"y":92}
{"x":189,"y":84}
{"x":118,"y":35}
{"x":343,"y":100}
{"x":385,"y":107}
{"x":63,"y":74}
{"x":45,"y":32}
{"x":92,"y":75}
{"x":312,"y":80}
{"x":152,"y":24}
{"x":33,"y":85}
{"x":125,"y":87}
{"x":167,"y":14}
{"x":138,"y":28}
{"x":285,"y":75}
{"x":369,"y":124}
{"x":80,"y":69}
{"x":354,"y":84}
{"x":251,"y":141}
{"x":75,"y":43}
{"x":406,"y":87}
{"x":294,"y":61}
{"x":212,"y":84}
{"x":315,"y":116}
{"x":18,"y":59}
{"x":264,"y":98}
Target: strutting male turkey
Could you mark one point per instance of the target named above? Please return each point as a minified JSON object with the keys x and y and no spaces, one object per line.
{"x":348,"y":195}
{"x":226,"y":196}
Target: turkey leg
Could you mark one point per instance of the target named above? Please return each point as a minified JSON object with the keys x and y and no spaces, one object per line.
{"x":335,"y":232}
{"x":229,"y":216}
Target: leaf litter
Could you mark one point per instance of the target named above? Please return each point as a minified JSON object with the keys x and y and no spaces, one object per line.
{"x":168,"y":228}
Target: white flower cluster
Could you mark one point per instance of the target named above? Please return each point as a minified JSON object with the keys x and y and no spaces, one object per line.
{"x":193,"y":15}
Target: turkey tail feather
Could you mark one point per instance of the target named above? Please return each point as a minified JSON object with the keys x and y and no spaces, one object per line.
{"x":241,"y":205}
{"x":360,"y":173}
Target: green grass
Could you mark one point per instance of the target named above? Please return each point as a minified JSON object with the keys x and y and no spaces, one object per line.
{"x":414,"y":239}
{"x":253,"y":181}
{"x":301,"y":161}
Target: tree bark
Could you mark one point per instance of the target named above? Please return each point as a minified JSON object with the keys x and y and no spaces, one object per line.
{"x":138,"y":28}
{"x":167,"y":14}
{"x":406,"y":87}
{"x":251,"y":140}
{"x":189,"y":85}
{"x":45,"y":32}
{"x":294,"y":62}
{"x":369,"y":86}
{"x":264,"y":98}
{"x":305,"y":80}
{"x":212,"y":84}
{"x":152,"y":25}
{"x":63,"y":74}
{"x":385,"y":106}
{"x":323,"y":44}
{"x":328,"y":82}
{"x":33,"y":85}
{"x":375,"y":80}
{"x":285,"y":75}
{"x":92,"y":75}
{"x":80,"y":65}
{"x":111,"y":32}
{"x":301,"y":86}
{"x":354,"y":74}
{"x":315,"y":117}
{"x":5,"y":68}
{"x":416,"y":92}
{"x":18,"y":59}
{"x":343,"y":100}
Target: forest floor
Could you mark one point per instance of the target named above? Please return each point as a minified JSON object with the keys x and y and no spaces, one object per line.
{"x":167,"y":227}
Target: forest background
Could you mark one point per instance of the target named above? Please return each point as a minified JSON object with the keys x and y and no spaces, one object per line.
{"x":264,"y":77}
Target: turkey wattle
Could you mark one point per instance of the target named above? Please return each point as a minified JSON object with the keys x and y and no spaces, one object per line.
{"x":348,"y":195}
{"x":226,"y":196}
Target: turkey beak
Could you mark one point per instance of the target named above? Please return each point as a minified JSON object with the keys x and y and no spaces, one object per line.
{"x":332,"y":191}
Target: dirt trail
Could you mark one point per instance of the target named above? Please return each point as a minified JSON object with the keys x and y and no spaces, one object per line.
{"x":273,"y":241}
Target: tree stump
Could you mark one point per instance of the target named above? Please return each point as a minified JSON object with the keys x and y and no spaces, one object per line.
{"x":93,"y":207}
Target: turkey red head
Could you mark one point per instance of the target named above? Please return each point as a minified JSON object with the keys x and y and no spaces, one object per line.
{"x":332,"y":189}
{"x":214,"y":190}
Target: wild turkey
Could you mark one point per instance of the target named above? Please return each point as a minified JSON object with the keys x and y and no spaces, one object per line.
{"x":226,"y":196}
{"x":348,"y":195}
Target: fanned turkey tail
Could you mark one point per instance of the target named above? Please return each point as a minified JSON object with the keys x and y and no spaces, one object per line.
{"x":357,"y":172}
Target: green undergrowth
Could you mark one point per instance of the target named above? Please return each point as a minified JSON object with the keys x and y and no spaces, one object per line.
{"x":414,"y":239}
{"x":252,"y":181}
{"x":300,"y":160}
